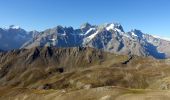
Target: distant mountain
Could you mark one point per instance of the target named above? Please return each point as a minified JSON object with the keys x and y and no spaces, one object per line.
{"x":108,"y":37}
{"x":58,"y":36}
{"x":112,"y":38}
{"x":13,"y":37}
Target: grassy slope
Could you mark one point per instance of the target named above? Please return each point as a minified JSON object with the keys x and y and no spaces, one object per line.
{"x":88,"y":74}
{"x":100,"y":93}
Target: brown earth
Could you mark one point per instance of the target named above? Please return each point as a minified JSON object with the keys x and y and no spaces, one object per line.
{"x":81,"y":74}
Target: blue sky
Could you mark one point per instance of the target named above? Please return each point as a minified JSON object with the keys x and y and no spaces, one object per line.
{"x":150,"y":16}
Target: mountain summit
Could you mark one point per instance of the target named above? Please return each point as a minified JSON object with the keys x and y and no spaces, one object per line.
{"x":14,"y":27}
{"x":109,"y":37}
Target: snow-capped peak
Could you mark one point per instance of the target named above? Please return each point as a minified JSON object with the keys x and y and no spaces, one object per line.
{"x":85,"y":25}
{"x":110,"y":27}
{"x":115,"y":27}
{"x":14,"y":27}
{"x":164,"y":38}
{"x":89,"y":38}
{"x":137,"y":33}
{"x":133,"y":34}
{"x":91,"y":29}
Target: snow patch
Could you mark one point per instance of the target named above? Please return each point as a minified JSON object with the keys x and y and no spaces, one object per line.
{"x":114,"y":28}
{"x":14,"y":27}
{"x":159,"y":37}
{"x":110,"y":27}
{"x":89,"y":38}
{"x":126,"y":35}
{"x":118,"y":30}
{"x":91,"y":29}
{"x":93,"y":35}
{"x":54,"y":39}
{"x":133,"y":34}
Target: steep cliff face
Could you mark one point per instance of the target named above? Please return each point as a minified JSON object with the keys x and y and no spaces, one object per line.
{"x":108,"y":37}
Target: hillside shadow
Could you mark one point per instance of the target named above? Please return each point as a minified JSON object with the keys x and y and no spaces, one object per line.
{"x":154,"y":52}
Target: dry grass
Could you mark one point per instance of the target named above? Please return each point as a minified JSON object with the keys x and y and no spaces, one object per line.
{"x":87,"y":74}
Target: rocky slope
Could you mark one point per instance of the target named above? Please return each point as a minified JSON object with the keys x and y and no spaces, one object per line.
{"x":19,"y":65}
{"x":58,"y":36}
{"x":78,"y":67}
{"x":61,"y":73}
{"x":109,"y":37}
{"x":112,"y":38}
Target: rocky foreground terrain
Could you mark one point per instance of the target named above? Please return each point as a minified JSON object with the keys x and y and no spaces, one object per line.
{"x":81,"y":73}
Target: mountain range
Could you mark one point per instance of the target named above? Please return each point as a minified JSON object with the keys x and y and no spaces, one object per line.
{"x":107,"y":37}
{"x":93,"y":62}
